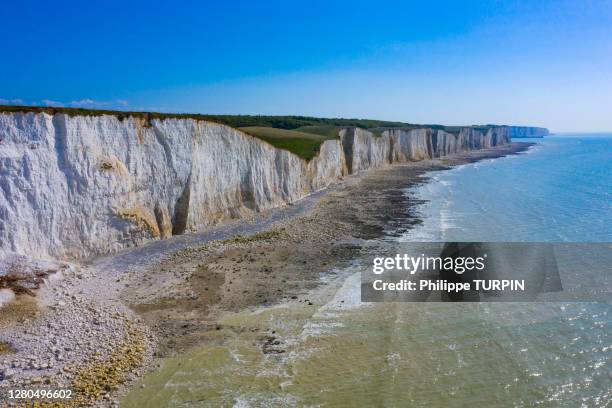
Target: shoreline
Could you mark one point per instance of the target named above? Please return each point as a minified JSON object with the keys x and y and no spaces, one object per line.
{"x":173,"y":298}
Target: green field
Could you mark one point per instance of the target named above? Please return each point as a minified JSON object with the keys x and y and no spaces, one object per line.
{"x":304,"y":144}
{"x":328,"y":131}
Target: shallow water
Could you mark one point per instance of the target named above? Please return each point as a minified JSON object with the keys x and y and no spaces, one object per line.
{"x":340,"y":352}
{"x":395,"y":354}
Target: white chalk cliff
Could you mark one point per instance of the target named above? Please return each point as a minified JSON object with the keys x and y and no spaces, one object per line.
{"x":526,"y":131}
{"x":77,"y":186}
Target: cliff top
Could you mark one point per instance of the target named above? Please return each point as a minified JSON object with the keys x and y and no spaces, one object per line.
{"x":237,"y":121}
{"x":301,"y":135}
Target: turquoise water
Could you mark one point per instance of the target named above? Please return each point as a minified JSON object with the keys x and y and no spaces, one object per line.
{"x":560,"y":191}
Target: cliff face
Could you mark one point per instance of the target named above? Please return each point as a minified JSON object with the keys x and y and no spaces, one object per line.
{"x":524,"y":131}
{"x":76,"y":186}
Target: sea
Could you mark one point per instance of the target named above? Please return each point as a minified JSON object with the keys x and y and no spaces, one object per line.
{"x":345,"y":353}
{"x":560,"y":190}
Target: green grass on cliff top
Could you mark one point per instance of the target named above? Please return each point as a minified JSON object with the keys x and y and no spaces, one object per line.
{"x":303,"y":142}
{"x":301,"y":135}
{"x":236,"y":121}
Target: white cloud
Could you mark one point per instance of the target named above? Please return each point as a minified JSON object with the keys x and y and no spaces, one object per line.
{"x":91,"y":103}
{"x":49,"y":102}
{"x":82,"y":103}
{"x":11,"y":101}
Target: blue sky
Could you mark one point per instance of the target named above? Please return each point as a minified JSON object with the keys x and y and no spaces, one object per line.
{"x":450,"y":62}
